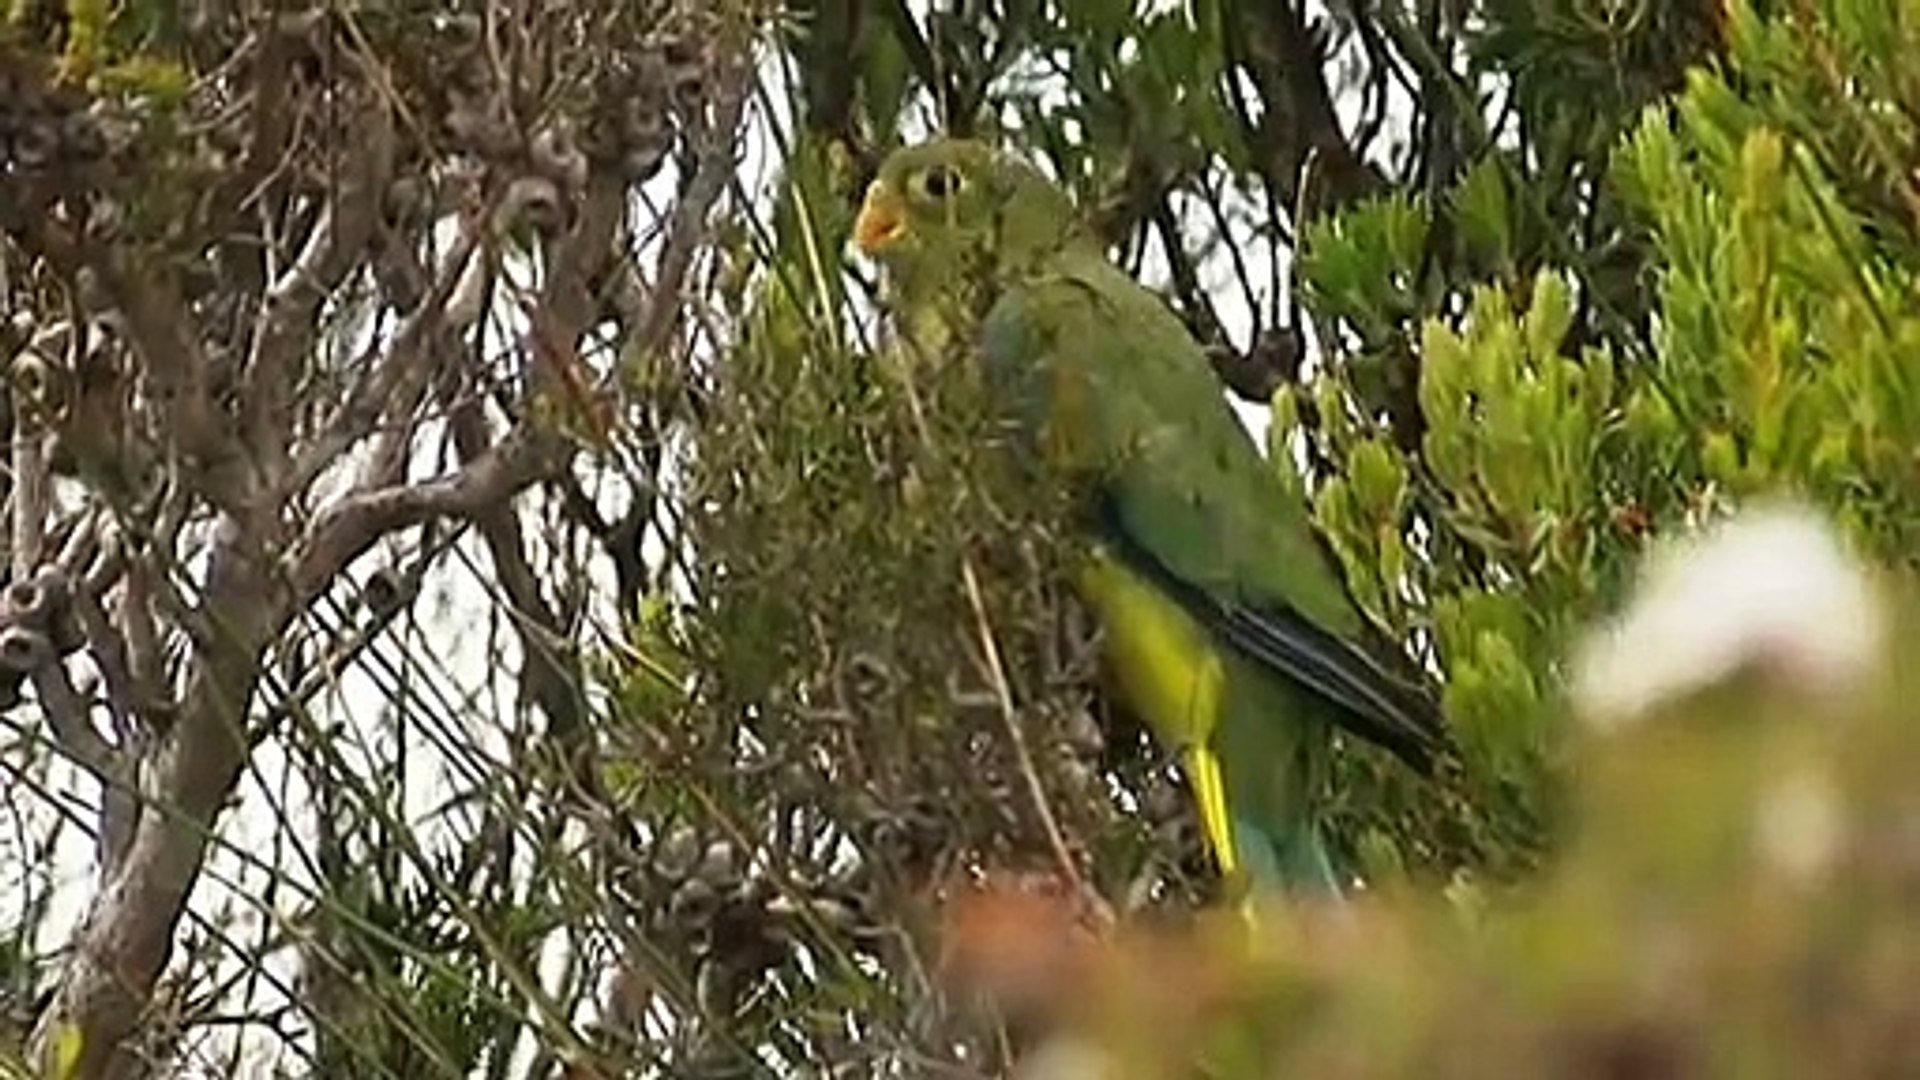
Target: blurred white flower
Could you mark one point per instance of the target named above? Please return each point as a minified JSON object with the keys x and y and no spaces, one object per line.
{"x":1771,"y":591}
{"x":1800,"y":825}
{"x":1066,"y":1058}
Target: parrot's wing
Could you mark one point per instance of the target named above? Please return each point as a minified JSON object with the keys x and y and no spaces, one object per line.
{"x":1375,"y":703}
{"x":1125,"y":394}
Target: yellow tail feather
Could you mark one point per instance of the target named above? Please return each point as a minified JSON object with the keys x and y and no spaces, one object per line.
{"x":1210,"y":793}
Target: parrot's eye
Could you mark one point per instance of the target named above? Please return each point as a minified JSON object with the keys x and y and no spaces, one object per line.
{"x":940,"y":183}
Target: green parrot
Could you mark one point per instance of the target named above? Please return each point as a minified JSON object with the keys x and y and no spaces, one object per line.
{"x":1226,"y":626}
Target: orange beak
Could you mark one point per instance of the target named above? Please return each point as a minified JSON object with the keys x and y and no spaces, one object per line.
{"x":880,"y":223}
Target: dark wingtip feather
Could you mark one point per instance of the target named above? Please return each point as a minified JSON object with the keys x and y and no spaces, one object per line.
{"x":1396,"y":710}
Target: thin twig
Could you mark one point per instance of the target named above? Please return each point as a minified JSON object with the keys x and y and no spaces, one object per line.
{"x":997,"y":673}
{"x":31,"y":493}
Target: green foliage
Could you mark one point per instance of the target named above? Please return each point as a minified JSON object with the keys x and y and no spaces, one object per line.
{"x":1526,"y":284}
{"x":1515,"y":502}
{"x":885,"y":689}
{"x":1776,"y":357}
{"x":1360,"y":266}
{"x":1789,"y":315}
{"x":114,"y":48}
{"x":1672,"y":272}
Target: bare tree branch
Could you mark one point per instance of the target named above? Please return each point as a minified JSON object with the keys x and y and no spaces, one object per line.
{"x":162,"y":331}
{"x":351,"y":525}
{"x":287,"y":322}
{"x":1298,"y":135}
{"x":30,"y":492}
{"x":405,"y":362}
{"x":128,"y":935}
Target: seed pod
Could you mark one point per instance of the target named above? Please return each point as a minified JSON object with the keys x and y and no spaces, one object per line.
{"x":35,"y":601}
{"x":385,"y":592}
{"x":693,"y":904}
{"x":23,"y":650}
{"x":719,"y":866}
{"x":1083,"y":735}
{"x":536,"y":200}
{"x":558,"y":158}
{"x":1076,"y":775}
{"x":674,"y":857}
{"x":39,"y":384}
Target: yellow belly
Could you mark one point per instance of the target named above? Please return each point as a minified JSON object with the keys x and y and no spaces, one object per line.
{"x":1166,"y":664}
{"x":1171,"y":672}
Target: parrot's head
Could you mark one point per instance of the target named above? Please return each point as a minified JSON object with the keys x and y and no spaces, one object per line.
{"x":946,"y":207}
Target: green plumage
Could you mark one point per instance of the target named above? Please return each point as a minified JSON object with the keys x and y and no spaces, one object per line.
{"x":1227,"y":627}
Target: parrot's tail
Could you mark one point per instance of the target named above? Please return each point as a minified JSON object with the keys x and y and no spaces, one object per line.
{"x":1291,"y":860}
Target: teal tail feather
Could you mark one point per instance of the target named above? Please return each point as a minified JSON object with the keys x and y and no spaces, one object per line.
{"x":1295,"y":863}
